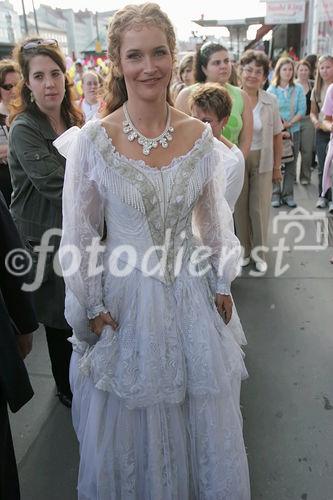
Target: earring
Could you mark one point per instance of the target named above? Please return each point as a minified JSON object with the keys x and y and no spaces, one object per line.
{"x":32,"y":97}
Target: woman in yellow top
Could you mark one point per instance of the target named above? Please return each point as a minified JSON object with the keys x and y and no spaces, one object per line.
{"x":213,"y":64}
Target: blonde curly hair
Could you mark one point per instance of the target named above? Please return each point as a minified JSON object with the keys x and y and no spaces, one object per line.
{"x":125,"y":19}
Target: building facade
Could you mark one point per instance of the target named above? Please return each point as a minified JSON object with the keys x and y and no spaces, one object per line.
{"x":10,"y":29}
{"x":45,"y":30}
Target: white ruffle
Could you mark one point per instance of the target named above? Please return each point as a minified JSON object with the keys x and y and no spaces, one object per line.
{"x":171,"y":341}
{"x":64,"y":142}
{"x":188,"y":451}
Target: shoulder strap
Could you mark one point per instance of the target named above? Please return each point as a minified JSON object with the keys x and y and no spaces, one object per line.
{"x":292,"y":101}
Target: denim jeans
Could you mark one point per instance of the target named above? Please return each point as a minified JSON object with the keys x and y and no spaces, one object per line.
{"x":322,"y":140}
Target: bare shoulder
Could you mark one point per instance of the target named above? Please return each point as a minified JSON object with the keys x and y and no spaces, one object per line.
{"x":191,"y":128}
{"x":182,"y":100}
{"x":185,"y":92}
{"x":113,"y":123}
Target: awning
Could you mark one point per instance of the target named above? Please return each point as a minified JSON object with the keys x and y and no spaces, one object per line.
{"x":261,"y":32}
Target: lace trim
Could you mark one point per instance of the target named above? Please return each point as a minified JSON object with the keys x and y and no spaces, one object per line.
{"x":201,"y":176}
{"x":122,"y":188}
{"x":139,"y":189}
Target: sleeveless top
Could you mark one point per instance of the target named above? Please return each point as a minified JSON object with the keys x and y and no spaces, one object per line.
{"x":235,"y":123}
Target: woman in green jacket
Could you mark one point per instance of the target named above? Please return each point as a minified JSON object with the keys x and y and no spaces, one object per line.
{"x":43,"y":110}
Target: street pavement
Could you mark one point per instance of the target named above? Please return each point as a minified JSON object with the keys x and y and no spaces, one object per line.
{"x":287,"y":401}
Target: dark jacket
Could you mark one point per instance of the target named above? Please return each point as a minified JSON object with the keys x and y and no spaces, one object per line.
{"x":37,"y":172}
{"x":16,"y":318}
{"x":5,"y":182}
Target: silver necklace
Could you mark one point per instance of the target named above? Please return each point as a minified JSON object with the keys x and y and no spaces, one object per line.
{"x":147,"y":144}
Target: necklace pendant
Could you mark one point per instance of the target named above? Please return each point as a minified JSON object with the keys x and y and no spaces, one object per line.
{"x":147,"y":143}
{"x":131,"y":136}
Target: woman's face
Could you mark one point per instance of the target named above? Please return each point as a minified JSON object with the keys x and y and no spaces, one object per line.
{"x":303,"y":72}
{"x":218,"y":68}
{"x":90,"y":87}
{"x":47,"y":83}
{"x":252,"y":76}
{"x":7,"y":90}
{"x":286,"y":72}
{"x":187,"y":76}
{"x":326,"y":70}
{"x":145,"y":62}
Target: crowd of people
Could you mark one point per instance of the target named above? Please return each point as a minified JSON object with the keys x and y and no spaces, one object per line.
{"x":194,"y":152}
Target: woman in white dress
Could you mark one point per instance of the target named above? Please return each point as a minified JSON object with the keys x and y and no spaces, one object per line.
{"x":156,"y":371}
{"x":91,"y":101}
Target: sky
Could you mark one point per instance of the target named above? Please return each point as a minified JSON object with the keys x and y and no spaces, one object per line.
{"x":181,"y":12}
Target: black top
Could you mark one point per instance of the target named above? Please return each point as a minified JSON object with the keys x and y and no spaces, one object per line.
{"x":5,"y":182}
{"x":308,"y":102}
{"x":16,"y":318}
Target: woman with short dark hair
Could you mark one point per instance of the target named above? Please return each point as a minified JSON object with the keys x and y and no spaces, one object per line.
{"x":263,"y":164}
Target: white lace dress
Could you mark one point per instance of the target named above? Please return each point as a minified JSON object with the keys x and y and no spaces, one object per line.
{"x":156,"y":403}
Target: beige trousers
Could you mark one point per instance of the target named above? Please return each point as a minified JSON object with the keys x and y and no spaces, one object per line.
{"x":253,"y":207}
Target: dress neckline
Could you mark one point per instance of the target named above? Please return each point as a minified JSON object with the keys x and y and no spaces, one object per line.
{"x":141,"y":164}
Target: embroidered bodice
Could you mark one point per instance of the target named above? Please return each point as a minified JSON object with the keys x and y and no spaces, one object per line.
{"x":154,"y":218}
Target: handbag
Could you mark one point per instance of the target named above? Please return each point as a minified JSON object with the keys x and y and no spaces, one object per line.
{"x":287,"y":150}
{"x":287,"y":142}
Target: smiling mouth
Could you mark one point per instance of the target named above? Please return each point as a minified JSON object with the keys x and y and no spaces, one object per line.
{"x":150,"y":80}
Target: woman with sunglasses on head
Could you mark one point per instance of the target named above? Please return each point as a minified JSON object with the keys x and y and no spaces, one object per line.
{"x":42,"y":111}
{"x":155,"y":370}
{"x":9,"y":76}
{"x":324,"y":78}
{"x":212,"y":64}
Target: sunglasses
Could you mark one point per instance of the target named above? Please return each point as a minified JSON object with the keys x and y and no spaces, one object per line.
{"x":51,"y":42}
{"x":7,"y":86}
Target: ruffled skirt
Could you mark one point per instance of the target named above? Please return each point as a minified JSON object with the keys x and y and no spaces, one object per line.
{"x":156,"y":403}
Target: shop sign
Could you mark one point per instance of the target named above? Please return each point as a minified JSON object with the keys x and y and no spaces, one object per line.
{"x":325,"y":10}
{"x":285,"y":12}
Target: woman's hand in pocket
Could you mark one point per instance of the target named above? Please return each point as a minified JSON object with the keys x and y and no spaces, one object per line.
{"x":104,"y":319}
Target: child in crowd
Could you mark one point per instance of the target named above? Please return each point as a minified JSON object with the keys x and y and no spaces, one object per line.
{"x":212,"y":104}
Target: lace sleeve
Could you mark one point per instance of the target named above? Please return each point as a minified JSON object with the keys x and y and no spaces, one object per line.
{"x":83,"y":220}
{"x":213,"y":223}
